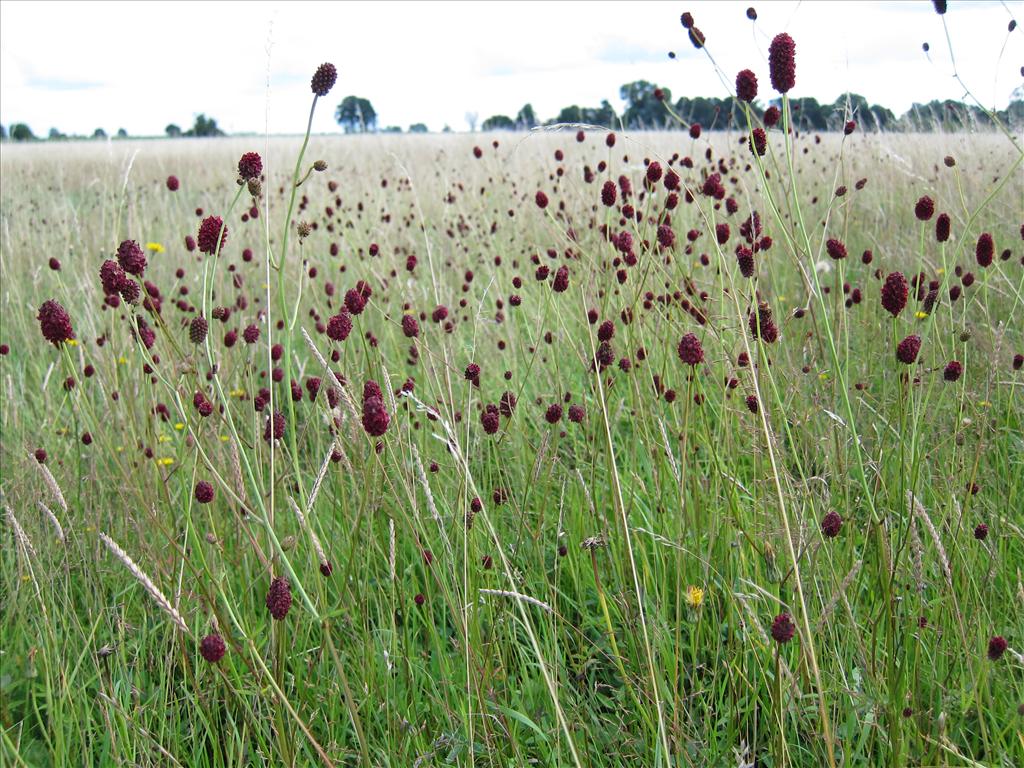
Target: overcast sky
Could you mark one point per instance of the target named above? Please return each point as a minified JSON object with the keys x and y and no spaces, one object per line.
{"x":141,"y":65}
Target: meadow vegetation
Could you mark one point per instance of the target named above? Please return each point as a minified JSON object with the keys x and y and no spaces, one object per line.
{"x":575,"y":447}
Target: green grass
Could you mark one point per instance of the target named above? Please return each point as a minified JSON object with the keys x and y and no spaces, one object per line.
{"x":594,"y":657}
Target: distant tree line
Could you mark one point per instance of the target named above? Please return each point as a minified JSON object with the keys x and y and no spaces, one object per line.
{"x":648,"y":107}
{"x":203,"y":126}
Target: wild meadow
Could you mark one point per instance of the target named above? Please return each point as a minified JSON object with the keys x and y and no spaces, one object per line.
{"x":575,"y":448}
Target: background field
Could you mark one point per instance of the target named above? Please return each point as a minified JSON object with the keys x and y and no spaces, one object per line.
{"x":557,"y":625}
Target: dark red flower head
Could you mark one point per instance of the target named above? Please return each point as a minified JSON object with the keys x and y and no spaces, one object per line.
{"x":339,"y":326}
{"x":197,"y":329}
{"x":831,"y":524}
{"x":984,"y":250}
{"x":835,"y":248}
{"x":55,"y":323}
{"x":746,"y":85}
{"x":131,"y":258}
{"x":906,"y":350}
{"x":997,"y":647}
{"x":172,"y":183}
{"x":112,"y":276}
{"x":782,"y":62}
{"x":763,"y":325}
{"x":212,"y":648}
{"x":850,"y":127}
{"x":209,"y":232}
{"x":375,"y":415}
{"x":690,"y":350}
{"x":745,"y":259}
{"x":608,"y":193}
{"x":771,"y":116}
{"x":323,"y":79}
{"x":553,"y":415}
{"x":952,"y":371}
{"x":981,"y":531}
{"x":410,"y":326}
{"x":274,"y":429}
{"x":686,"y":20}
{"x":894,"y":293}
{"x":279,"y":598}
{"x":783,"y":628}
{"x":250,"y":166}
{"x":204,"y":492}
{"x":758,"y":142}
{"x":541,"y":199}
{"x":561,"y":281}
{"x":751,"y":13}
{"x":925,"y":208}
{"x":942,"y":228}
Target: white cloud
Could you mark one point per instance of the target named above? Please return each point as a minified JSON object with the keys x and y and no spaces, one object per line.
{"x":78,"y":66}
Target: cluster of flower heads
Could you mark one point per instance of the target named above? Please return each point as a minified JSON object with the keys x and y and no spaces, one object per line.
{"x":117,"y":275}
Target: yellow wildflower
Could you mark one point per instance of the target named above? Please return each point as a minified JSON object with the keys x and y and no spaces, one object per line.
{"x":694,"y":596}
{"x":154,"y":247}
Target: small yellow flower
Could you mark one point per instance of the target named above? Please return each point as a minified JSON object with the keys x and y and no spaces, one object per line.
{"x":920,"y":314}
{"x":823,"y":376}
{"x":163,"y":439}
{"x":72,"y":342}
{"x":985,"y":403}
{"x":224,"y":438}
{"x":694,"y":596}
{"x":166,"y":461}
{"x":122,"y":361}
{"x":154,"y":247}
{"x":941,"y":270}
{"x":237,"y":393}
{"x":179,"y":426}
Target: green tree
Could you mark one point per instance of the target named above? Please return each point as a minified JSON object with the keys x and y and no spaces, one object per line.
{"x":204,"y":126}
{"x":21,"y":132}
{"x":571,"y":114}
{"x":499,"y":123}
{"x":643,"y":107}
{"x":3,"y":133}
{"x":603,"y":115}
{"x":56,"y":135}
{"x":356,"y":115}
{"x":122,"y":133}
{"x":172,"y":130}
{"x":418,"y":128}
{"x":526,"y":118}
{"x":99,"y":133}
